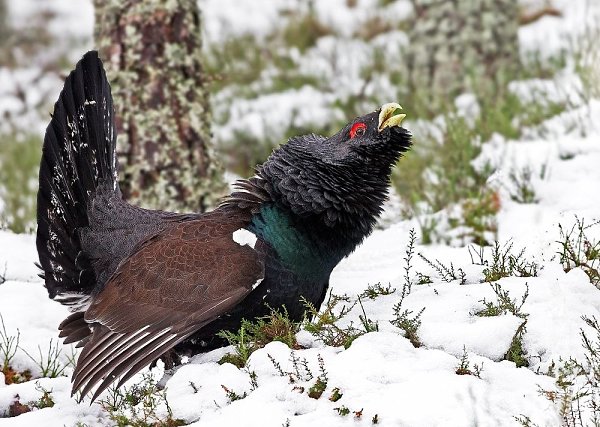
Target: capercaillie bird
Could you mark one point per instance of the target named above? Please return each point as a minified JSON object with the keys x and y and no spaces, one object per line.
{"x":140,"y":283}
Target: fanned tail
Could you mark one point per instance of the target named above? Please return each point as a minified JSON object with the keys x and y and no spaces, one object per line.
{"x":78,"y":160}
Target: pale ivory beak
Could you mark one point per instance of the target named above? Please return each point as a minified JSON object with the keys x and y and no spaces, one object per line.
{"x":390,"y":116}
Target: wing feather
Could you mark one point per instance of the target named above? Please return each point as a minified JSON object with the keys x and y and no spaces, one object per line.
{"x":173,"y":285}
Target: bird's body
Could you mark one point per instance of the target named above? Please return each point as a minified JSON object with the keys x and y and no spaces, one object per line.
{"x":142,"y":282}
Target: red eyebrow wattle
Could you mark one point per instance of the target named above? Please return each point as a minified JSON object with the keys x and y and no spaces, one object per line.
{"x":355,"y":128}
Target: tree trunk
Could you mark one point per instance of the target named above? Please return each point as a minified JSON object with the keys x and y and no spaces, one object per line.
{"x":461,"y":45}
{"x":4,"y":30}
{"x":152,"y":52}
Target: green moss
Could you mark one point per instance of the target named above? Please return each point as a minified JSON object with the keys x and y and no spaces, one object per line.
{"x":464,"y":366}
{"x":137,"y":405}
{"x":373,"y":27}
{"x":303,"y":31}
{"x":342,"y":410}
{"x":479,"y":216}
{"x":252,"y":336}
{"x":236,"y":61}
{"x":19,"y":163}
{"x":449,"y":160}
{"x":45,"y":401}
{"x":336,"y":395}
{"x":508,"y":115}
{"x":504,"y":304}
{"x":516,"y":352}
{"x":505,"y":262}
{"x":578,"y":250}
{"x":323,"y":324}
{"x":320,"y":385}
{"x":438,"y":172}
{"x":316,"y":390}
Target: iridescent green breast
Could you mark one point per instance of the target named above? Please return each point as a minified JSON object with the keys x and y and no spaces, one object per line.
{"x":306,"y":249}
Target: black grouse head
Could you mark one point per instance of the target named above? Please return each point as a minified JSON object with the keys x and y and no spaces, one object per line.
{"x":342,"y":180}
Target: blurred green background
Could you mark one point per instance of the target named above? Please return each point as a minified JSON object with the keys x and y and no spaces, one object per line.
{"x":281,"y":68}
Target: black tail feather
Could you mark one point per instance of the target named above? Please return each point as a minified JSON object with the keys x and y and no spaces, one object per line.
{"x":79,"y":155}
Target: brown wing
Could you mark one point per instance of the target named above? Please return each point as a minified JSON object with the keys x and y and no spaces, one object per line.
{"x":174,"y":284}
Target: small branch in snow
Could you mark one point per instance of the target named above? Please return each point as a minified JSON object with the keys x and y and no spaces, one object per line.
{"x":410,"y":250}
{"x":3,"y":275}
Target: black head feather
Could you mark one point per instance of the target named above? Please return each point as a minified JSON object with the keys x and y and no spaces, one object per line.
{"x":342,"y":180}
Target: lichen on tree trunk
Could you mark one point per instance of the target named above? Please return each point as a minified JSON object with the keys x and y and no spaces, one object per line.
{"x":151,"y":50}
{"x":456,"y":44}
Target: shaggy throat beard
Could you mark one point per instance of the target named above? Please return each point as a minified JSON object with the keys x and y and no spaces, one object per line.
{"x":336,"y":198}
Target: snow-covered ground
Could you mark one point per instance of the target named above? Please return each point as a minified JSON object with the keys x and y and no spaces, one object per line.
{"x":381,"y":375}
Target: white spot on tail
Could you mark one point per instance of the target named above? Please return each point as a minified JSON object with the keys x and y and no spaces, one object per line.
{"x":244,"y":237}
{"x":75,"y":301}
{"x":258,"y":282}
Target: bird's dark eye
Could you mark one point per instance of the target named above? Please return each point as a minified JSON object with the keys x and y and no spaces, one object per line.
{"x":358,"y":129}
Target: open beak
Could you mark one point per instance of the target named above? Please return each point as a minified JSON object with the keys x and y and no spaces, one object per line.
{"x":390,"y":116}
